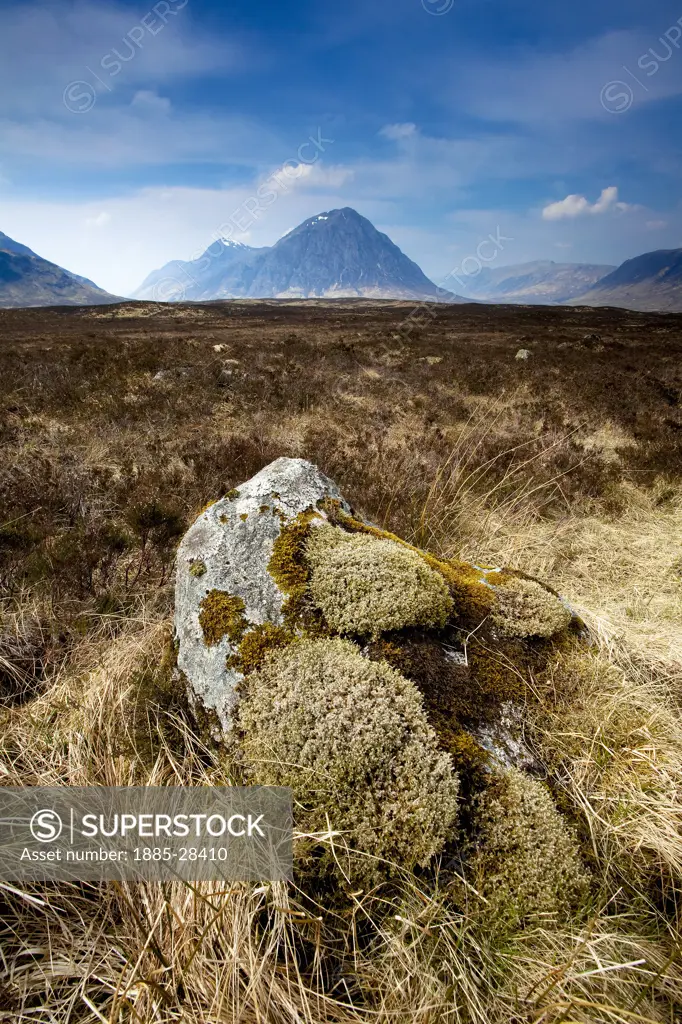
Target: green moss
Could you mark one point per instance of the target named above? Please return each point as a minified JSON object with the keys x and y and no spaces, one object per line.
{"x":526,"y":608}
{"x":526,"y":860}
{"x":498,"y":675}
{"x":222,"y":615}
{"x":197,"y":569}
{"x":263,"y":509}
{"x":456,"y":695}
{"x":474,"y":599}
{"x":244,"y":516}
{"x":257,"y":643}
{"x":288,"y":566}
{"x":351,"y":738}
{"x":232,"y":495}
{"x":367,"y":586}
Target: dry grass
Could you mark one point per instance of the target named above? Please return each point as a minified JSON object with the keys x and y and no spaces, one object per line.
{"x":485,"y":459}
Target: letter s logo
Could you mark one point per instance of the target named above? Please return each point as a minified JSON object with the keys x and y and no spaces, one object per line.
{"x":46,"y":826}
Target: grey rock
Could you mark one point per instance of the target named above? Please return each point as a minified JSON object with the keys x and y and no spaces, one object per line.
{"x":504,"y":739}
{"x":228,"y":549}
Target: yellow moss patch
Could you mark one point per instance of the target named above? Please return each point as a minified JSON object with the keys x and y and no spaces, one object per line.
{"x":473,"y":598}
{"x":206,"y":507}
{"x":222,"y":615}
{"x":288,"y":566}
{"x":258,"y":643}
{"x":469,"y":758}
{"x":197,"y":569}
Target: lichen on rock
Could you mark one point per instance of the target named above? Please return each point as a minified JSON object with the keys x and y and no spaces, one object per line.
{"x":368,"y":586}
{"x":352,"y":739}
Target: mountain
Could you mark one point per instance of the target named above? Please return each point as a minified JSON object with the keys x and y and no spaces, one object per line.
{"x":651,"y":283}
{"x":540,"y":283}
{"x":338,"y":254}
{"x":8,"y":244}
{"x":201,"y":278}
{"x":28,"y":280}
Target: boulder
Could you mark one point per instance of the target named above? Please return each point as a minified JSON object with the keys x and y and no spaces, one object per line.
{"x":283,"y":558}
{"x":227,"y":551}
{"x":384,"y":685}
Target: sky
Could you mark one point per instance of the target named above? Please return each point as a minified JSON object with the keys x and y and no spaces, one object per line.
{"x":470,"y":131}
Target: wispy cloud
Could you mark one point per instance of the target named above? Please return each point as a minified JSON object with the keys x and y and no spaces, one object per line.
{"x":397,"y":132}
{"x":48,"y":45}
{"x":98,"y":220}
{"x":536,"y":87}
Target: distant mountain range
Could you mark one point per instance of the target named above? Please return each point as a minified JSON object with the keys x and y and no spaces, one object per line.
{"x":338,"y":254}
{"x":540,"y":283}
{"x":28,"y":280}
{"x":651,"y":283}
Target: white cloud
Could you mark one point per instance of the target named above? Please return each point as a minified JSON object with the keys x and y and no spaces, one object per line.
{"x":656,"y":225}
{"x":397,"y":132}
{"x":150,"y":101}
{"x":99,"y":220}
{"x":292,"y":175}
{"x":579,"y":206}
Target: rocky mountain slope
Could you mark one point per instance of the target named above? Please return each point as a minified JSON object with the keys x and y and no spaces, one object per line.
{"x":542,"y":282}
{"x":651,"y":283}
{"x":28,"y":280}
{"x":338,"y":254}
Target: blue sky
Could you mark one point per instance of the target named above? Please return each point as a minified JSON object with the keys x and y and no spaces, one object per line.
{"x":134,"y":133}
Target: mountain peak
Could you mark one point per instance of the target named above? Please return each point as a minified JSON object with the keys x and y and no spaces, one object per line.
{"x":335,"y":254}
{"x":229,"y":243}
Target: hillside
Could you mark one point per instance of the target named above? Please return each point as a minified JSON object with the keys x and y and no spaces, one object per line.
{"x":542,"y":282}
{"x":28,"y":280}
{"x":651,"y":282}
